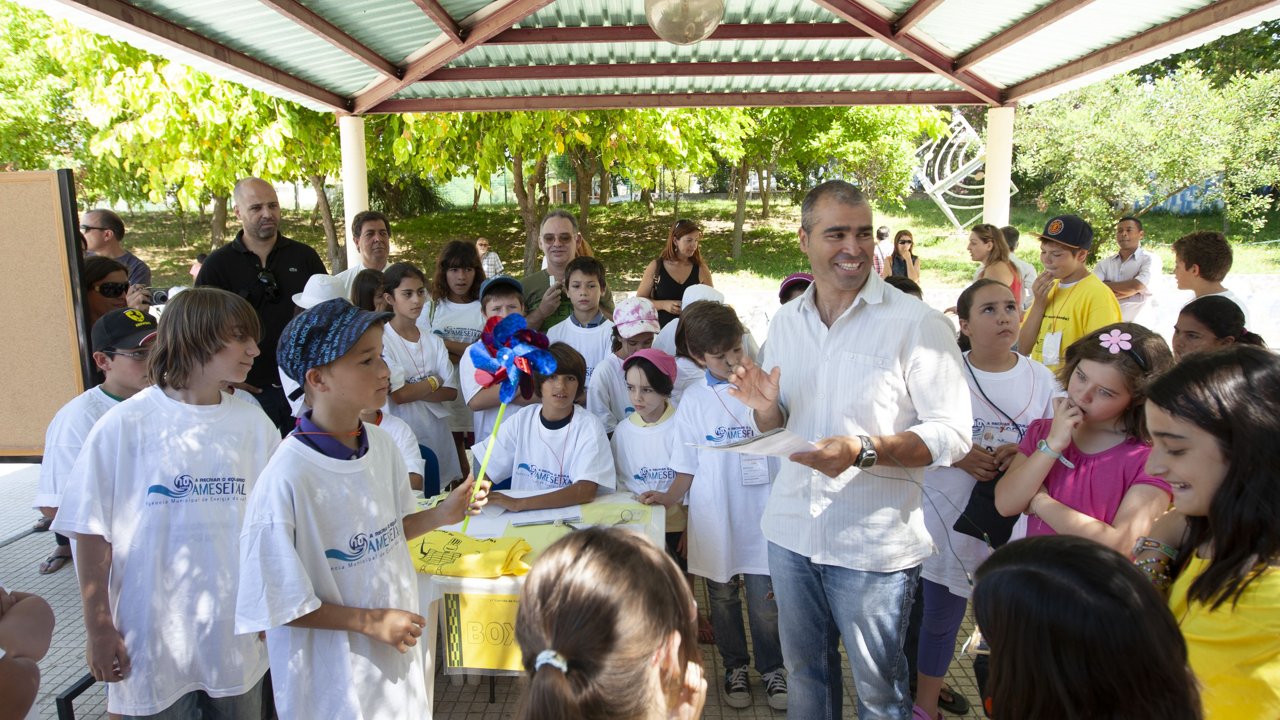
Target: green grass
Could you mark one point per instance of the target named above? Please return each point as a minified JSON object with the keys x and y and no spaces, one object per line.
{"x":626,"y":238}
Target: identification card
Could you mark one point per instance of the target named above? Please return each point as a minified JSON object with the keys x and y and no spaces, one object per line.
{"x":1051,"y":348}
{"x":755,"y":470}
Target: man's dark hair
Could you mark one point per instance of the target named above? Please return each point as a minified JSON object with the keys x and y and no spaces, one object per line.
{"x":573,"y":219}
{"x":1011,"y":236}
{"x":357,"y":224}
{"x":109,"y":220}
{"x":882,"y":233}
{"x":839,"y":191}
{"x":1133,"y":220}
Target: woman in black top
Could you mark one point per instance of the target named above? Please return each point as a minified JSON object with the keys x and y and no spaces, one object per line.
{"x":903,"y":262}
{"x":679,"y":267}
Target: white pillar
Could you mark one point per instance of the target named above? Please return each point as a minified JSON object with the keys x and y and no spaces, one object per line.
{"x":999,"y":166}
{"x":355,"y":178}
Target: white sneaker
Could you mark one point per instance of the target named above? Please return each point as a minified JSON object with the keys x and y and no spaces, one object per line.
{"x":737,"y":694}
{"x":775,"y":685}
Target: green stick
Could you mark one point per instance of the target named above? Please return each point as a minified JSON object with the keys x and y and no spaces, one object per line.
{"x":485,"y":463}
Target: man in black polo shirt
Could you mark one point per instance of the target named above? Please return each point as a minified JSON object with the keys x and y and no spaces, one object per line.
{"x":265,"y":268}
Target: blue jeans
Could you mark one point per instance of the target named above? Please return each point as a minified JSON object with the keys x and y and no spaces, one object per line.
{"x":762,"y":614}
{"x":818,"y":605}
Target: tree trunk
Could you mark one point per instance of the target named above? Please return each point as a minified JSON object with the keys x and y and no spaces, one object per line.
{"x":765,"y":177}
{"x":740,"y":217}
{"x":675,"y":193}
{"x":646,"y":197}
{"x":583,"y":170}
{"x":532,"y":205}
{"x":218,"y":222}
{"x":475,"y":198}
{"x":337,"y":258}
{"x":606,"y":184}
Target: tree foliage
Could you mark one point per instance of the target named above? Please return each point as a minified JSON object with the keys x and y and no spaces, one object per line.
{"x":1247,"y":52}
{"x":40,"y":128}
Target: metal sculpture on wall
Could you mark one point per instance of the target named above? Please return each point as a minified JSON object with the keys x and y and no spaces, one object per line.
{"x":951,"y":172}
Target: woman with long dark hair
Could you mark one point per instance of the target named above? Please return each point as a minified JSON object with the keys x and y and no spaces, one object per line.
{"x":1214,"y":425}
{"x":679,"y":267}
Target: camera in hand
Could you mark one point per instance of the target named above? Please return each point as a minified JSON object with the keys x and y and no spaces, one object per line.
{"x":159,"y":296}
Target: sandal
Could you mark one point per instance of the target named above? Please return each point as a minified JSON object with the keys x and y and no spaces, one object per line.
{"x":42,"y":524}
{"x":54,"y":563}
{"x":706,"y":635}
{"x":952,"y":701}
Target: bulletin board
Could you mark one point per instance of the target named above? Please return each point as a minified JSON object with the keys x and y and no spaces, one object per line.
{"x":45,"y":362}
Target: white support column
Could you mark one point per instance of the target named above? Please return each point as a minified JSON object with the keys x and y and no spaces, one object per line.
{"x":999,"y":166}
{"x":355,"y":178}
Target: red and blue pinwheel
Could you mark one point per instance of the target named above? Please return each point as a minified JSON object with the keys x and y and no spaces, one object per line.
{"x":510,"y":354}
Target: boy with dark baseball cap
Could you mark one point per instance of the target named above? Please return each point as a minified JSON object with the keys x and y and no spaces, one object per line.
{"x":1068,"y":300}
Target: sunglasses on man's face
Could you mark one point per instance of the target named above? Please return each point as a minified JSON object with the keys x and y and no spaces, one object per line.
{"x":87,"y":228}
{"x":112,"y":289}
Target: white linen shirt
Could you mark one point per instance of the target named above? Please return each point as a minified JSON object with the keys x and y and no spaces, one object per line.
{"x":888,"y":364}
{"x":1141,"y":266}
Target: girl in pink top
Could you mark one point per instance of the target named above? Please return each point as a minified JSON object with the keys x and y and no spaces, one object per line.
{"x":1082,"y":473}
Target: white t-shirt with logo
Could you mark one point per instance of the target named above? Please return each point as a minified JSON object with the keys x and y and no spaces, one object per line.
{"x":454,"y":322}
{"x":428,"y":420}
{"x":607,"y":397}
{"x":1026,"y":393}
{"x":482,"y":420}
{"x":729,"y":490}
{"x":405,"y":440}
{"x":536,"y":458}
{"x":594,"y":343}
{"x":641,"y":459}
{"x":325,"y":530}
{"x":63,"y":440}
{"x":167,"y":485}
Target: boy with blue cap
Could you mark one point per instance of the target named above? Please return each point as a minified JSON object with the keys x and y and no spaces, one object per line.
{"x":325,"y":566}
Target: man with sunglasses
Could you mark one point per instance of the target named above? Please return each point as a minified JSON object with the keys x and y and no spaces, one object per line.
{"x":267,"y":269}
{"x":544,"y":297}
{"x":103,"y":230}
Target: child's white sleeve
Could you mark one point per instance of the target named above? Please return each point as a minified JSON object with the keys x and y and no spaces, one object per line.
{"x":274,"y":586}
{"x":684,"y":458}
{"x":443,"y":366}
{"x":88,"y":498}
{"x":592,"y":459}
{"x":598,"y":399}
{"x":397,"y":372}
{"x":467,"y":384}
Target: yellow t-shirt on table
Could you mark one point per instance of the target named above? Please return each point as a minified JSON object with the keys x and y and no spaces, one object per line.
{"x":1234,"y":651}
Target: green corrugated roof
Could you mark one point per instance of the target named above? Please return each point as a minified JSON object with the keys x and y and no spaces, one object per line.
{"x":401,"y":33}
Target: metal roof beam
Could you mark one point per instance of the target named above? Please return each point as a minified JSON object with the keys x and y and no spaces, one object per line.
{"x":154,"y":27}
{"x":484,"y":24}
{"x":681,"y":69}
{"x":913,"y":15}
{"x":880,"y":29}
{"x":1036,"y":21}
{"x":644,"y":33}
{"x":1202,"y":20}
{"x":441,"y":18}
{"x":677,"y":100}
{"x":315,"y":24}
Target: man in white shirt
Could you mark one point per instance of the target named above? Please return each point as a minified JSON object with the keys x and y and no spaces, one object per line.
{"x":1130,"y":272}
{"x":877,"y":376}
{"x":371,"y":233}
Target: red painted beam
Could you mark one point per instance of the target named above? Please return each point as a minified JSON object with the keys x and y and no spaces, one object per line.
{"x":861,"y":17}
{"x":644,"y":33}
{"x":441,"y":18}
{"x":677,"y":100}
{"x":305,"y":18}
{"x":699,"y":69}
{"x":122,"y":14}
{"x":479,"y":28}
{"x":914,"y":14}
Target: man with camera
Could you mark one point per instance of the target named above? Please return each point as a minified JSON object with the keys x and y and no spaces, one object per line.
{"x":265,"y":268}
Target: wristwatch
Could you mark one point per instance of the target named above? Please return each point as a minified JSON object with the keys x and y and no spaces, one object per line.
{"x":867,"y":457}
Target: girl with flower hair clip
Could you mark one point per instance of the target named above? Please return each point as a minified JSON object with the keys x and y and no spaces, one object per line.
{"x":1082,"y":472}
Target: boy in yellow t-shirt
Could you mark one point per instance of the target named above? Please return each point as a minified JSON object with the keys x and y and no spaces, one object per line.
{"x":1069,"y":301}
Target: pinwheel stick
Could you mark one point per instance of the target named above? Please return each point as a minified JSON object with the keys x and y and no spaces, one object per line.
{"x":484,"y":464}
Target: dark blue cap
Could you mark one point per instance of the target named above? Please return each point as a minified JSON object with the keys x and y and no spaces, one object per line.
{"x":321,"y":335}
{"x":498,"y":281}
{"x":1070,"y":230}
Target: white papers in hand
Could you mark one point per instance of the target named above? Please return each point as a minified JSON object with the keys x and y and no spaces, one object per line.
{"x":776,"y":443}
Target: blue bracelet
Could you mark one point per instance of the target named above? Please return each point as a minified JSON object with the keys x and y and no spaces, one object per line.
{"x":1043,"y":446}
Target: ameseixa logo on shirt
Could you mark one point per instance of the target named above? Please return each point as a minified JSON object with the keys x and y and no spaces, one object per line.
{"x":543,"y":476}
{"x":185,"y":488}
{"x":648,"y":474}
{"x":366,"y":546}
{"x":730,"y":434}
